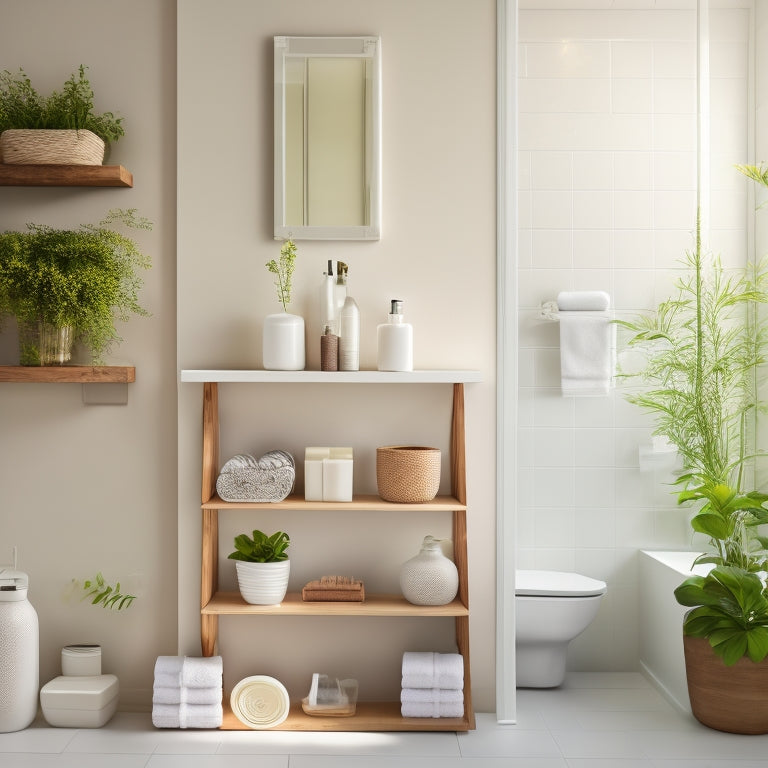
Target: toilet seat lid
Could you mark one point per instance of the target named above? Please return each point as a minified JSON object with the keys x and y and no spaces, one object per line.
{"x":557,"y":584}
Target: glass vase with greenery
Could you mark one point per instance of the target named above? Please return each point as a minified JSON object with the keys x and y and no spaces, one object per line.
{"x":702,"y":352}
{"x":86,"y":279}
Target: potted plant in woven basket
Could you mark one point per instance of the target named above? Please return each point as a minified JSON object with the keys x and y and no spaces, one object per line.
{"x":704,"y":349}
{"x":59,"y":129}
{"x":63,"y":285}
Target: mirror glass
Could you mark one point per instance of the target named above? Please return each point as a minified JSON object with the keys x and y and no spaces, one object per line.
{"x":327,"y":138}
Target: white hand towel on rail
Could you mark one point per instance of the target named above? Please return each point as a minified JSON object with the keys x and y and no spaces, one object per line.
{"x":587,"y":343}
{"x":433,"y":670}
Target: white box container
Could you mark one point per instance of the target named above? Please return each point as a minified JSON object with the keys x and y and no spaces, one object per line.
{"x":328,"y":474}
{"x":79,"y":701}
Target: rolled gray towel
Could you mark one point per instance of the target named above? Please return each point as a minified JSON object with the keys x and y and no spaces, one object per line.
{"x":245,"y":478}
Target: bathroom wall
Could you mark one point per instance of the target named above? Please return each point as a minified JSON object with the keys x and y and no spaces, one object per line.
{"x":607,"y":124}
{"x":437,"y":253}
{"x":89,"y":488}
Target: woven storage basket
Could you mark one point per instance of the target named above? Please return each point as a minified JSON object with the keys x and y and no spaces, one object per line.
{"x":50,"y":147}
{"x":407,"y":474}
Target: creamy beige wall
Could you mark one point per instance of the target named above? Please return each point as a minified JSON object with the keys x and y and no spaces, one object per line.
{"x":94,"y":487}
{"x":437,"y":253}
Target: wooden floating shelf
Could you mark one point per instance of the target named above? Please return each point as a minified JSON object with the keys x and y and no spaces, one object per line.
{"x":65,"y":176}
{"x":258,"y":376}
{"x":360,"y":503}
{"x":369,"y":716}
{"x":68,"y":374}
{"x":232,"y":604}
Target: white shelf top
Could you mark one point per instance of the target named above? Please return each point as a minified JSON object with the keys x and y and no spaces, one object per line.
{"x":337,"y":377}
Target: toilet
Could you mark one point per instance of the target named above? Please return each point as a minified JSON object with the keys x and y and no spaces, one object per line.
{"x":551,"y":609}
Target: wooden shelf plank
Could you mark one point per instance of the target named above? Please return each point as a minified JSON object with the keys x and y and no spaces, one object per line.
{"x":65,"y":176}
{"x":369,"y":716}
{"x":360,"y":503}
{"x":68,"y":374}
{"x":231,"y":603}
{"x":337,"y":377}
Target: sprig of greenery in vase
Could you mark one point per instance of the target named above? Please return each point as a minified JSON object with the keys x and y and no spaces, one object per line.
{"x":284,"y":271}
{"x":703,"y":349}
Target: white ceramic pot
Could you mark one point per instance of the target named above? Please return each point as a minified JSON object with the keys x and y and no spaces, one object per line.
{"x":263,"y":583}
{"x":430,"y":578}
{"x":283,"y":342}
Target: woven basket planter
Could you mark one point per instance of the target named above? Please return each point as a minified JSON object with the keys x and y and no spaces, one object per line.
{"x":407,"y":474}
{"x":731,"y":699}
{"x":51,"y":147}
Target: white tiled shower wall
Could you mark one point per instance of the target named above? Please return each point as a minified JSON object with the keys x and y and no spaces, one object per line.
{"x":607,"y":189}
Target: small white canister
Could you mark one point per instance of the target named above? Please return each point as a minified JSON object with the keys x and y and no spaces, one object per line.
{"x":80,"y":660}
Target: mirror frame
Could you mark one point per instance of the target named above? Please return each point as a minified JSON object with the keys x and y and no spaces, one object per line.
{"x":365,"y":47}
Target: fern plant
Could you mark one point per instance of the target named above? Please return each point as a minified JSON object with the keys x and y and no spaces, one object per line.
{"x":703,"y":349}
{"x":86,"y":278}
{"x":21,"y":106}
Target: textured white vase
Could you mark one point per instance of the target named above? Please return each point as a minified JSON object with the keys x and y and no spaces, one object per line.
{"x":430,"y":578}
{"x":283,"y":342}
{"x":19,"y":653}
{"x":263,"y":583}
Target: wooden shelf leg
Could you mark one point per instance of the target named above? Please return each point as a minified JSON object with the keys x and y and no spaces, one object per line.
{"x":209,"y":570}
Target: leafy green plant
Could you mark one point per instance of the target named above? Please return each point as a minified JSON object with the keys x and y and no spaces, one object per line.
{"x":85,"y":278}
{"x":100,"y":593}
{"x":261,"y":548}
{"x":21,"y":106}
{"x":284,"y":271}
{"x":703,"y":350}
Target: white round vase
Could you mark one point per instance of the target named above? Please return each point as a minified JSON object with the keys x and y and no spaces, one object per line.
{"x":263,"y":583}
{"x":283,"y":342}
{"x":430,"y":578}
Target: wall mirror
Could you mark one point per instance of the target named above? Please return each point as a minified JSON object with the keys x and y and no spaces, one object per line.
{"x":327,"y":138}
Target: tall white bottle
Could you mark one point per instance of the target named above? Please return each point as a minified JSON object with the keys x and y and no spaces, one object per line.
{"x":349,"y":336}
{"x":328,"y":312}
{"x":20,"y":657}
{"x":395,"y":341}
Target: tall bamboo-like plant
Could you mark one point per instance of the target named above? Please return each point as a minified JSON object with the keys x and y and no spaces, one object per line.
{"x":703,"y":349}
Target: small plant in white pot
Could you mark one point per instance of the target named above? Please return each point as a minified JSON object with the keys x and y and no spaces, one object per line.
{"x":283,"y":346}
{"x":262,"y":566}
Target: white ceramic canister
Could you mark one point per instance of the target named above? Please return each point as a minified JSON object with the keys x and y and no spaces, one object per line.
{"x":283,"y":342}
{"x":430,"y":578}
{"x":19,"y":652}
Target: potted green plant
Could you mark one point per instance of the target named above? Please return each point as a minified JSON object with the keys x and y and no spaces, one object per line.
{"x":262,"y":566}
{"x":60,"y":128}
{"x":283,"y":347}
{"x":703,"y":349}
{"x":63,"y":285}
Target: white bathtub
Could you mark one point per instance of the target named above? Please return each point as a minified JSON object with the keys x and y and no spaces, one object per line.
{"x":661,"y":621}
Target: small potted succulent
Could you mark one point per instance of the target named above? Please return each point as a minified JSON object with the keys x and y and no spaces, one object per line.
{"x":283,"y":347}
{"x":58,"y":129}
{"x":262,"y":566}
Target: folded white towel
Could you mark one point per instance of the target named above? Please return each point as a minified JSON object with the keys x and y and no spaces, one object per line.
{"x":188,"y":671}
{"x":587,"y":353}
{"x":187,"y":715}
{"x":162,"y":694}
{"x":433,"y":670}
{"x":431,"y":696}
{"x":430,"y":709}
{"x":570,"y":301}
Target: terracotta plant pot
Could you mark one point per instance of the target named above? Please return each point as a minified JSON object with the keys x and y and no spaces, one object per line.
{"x":731,"y":699}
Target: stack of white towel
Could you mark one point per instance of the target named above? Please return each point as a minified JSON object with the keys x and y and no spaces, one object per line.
{"x":432,"y":685}
{"x":187,"y":692}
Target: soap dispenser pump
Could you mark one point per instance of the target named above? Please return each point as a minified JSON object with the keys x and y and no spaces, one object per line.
{"x":395,"y":341}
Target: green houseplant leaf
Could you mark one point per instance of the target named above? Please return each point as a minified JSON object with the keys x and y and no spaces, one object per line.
{"x":261,"y":548}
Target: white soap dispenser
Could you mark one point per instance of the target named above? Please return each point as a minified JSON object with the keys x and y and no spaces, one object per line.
{"x":395,"y":341}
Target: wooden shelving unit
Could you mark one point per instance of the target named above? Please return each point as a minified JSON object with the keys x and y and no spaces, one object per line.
{"x":370,"y":716}
{"x":68,"y":374}
{"x":64,"y":176}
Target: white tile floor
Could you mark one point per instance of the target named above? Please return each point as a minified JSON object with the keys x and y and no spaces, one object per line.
{"x":593,"y":721}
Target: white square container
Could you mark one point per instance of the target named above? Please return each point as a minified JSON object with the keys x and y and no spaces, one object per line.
{"x":81,"y":660}
{"x":82,"y":701}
